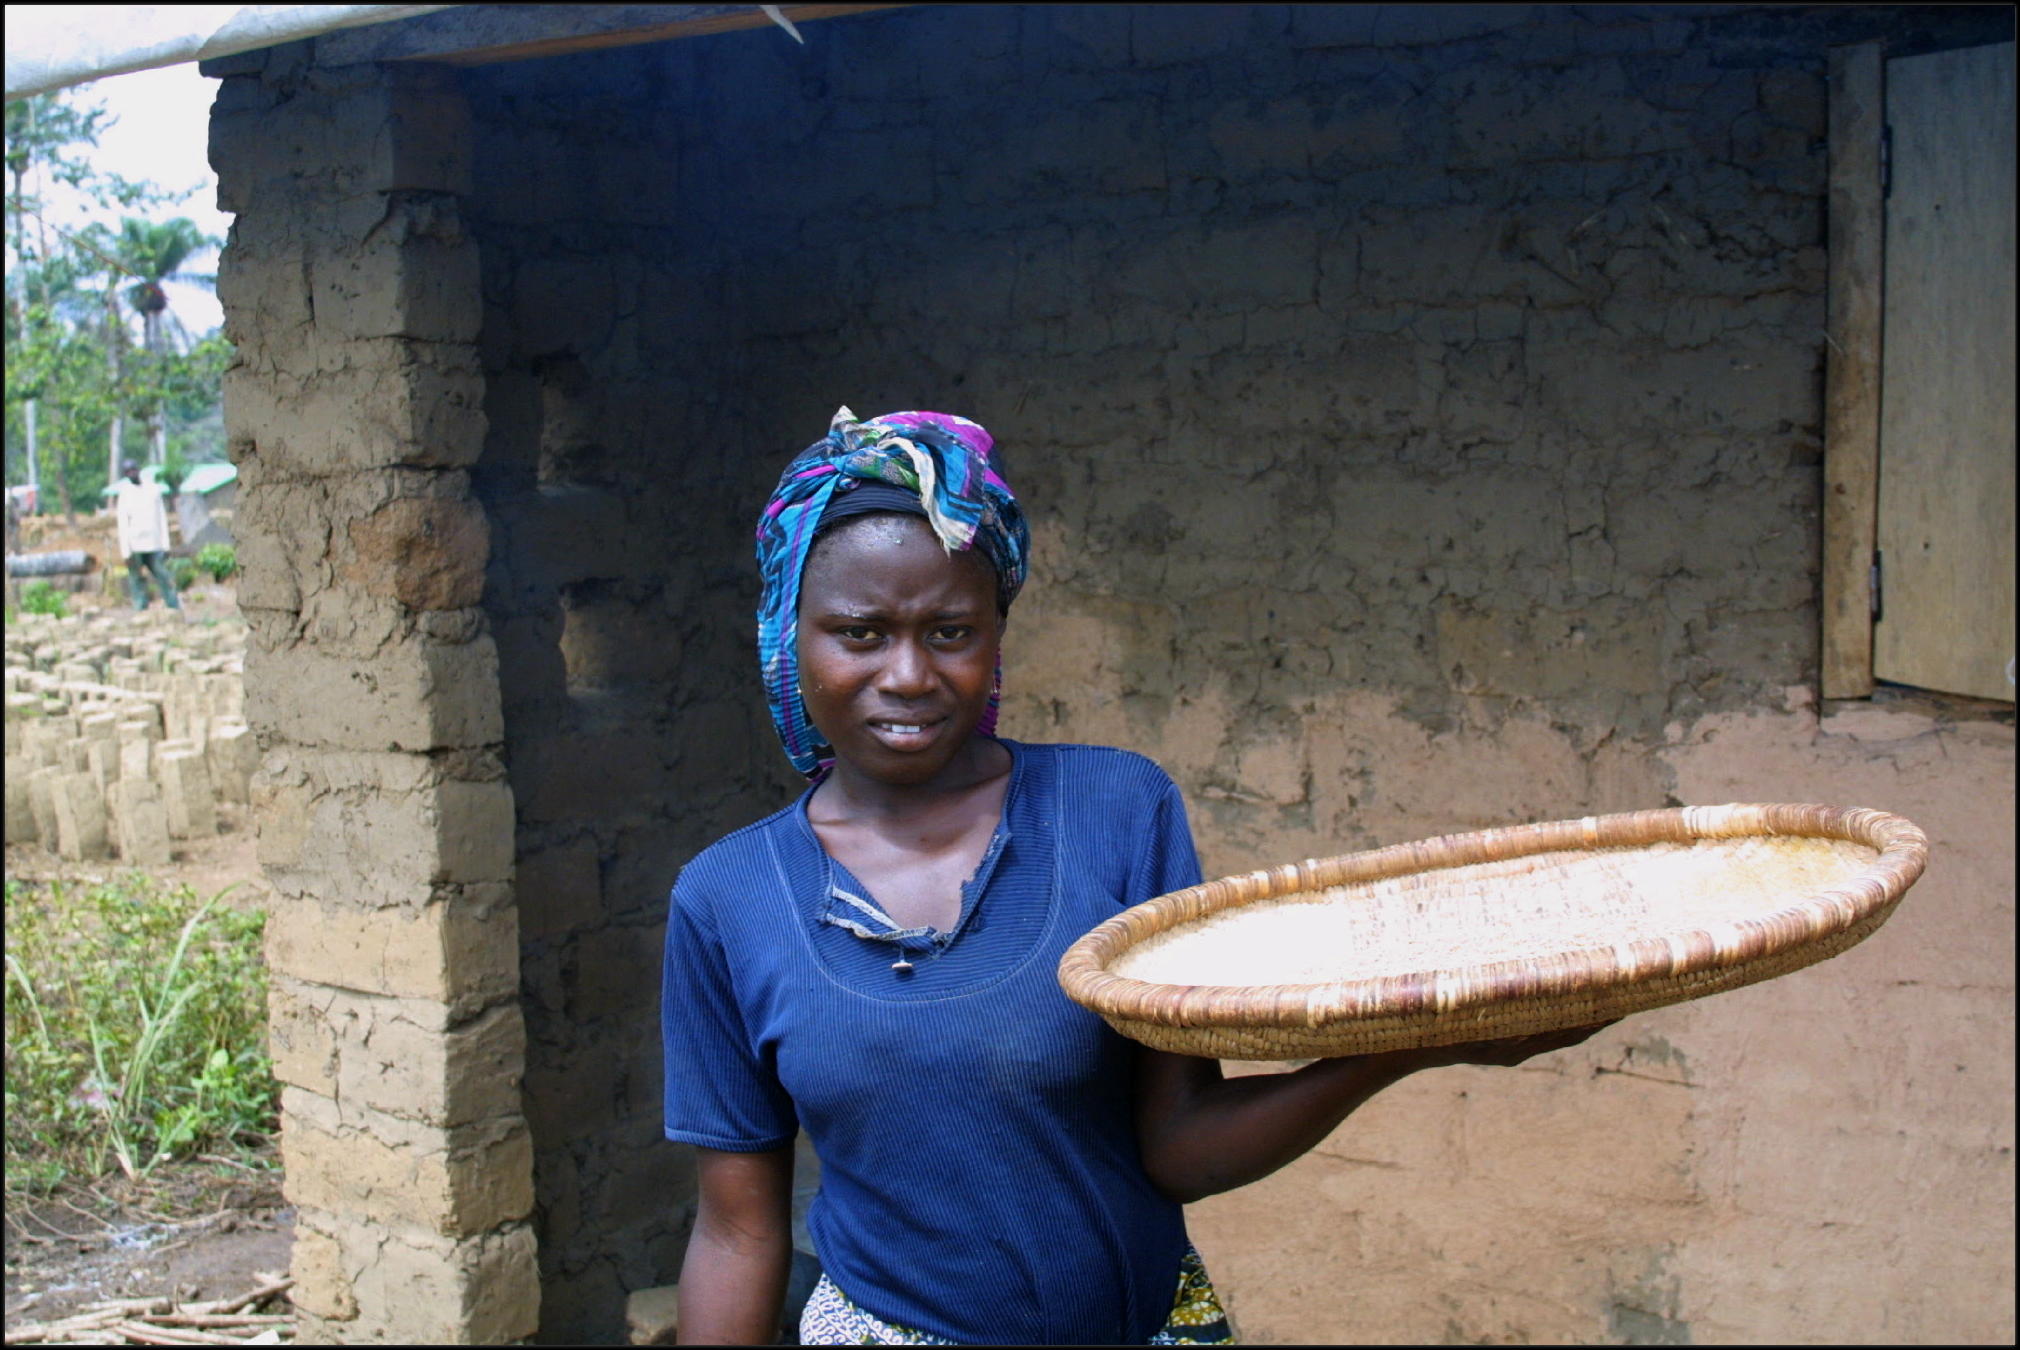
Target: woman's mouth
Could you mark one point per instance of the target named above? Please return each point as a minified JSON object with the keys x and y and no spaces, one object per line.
{"x":905,"y":735}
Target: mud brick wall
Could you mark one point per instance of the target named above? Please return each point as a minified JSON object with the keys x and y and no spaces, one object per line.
{"x":1419,"y":411}
{"x":385,"y":821}
{"x":620,"y":607}
{"x":1372,"y":377}
{"x":1444,"y":395}
{"x":1418,"y":416}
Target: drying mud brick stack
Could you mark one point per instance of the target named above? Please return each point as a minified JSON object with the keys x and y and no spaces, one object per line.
{"x":92,"y":704}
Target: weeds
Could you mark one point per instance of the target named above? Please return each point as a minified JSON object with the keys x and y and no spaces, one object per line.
{"x":136,"y":1029}
{"x":42,"y":597}
{"x":219,"y":560}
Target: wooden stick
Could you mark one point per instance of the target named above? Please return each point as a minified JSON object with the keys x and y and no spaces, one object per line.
{"x":102,"y":1224}
{"x":126,"y":1307}
{"x":148,"y":1334}
{"x":167,"y":1328}
{"x":228,"y":1162}
{"x":29,"y":1333}
{"x":47,"y":1226}
{"x":273,"y":1284}
{"x":269,"y":1286}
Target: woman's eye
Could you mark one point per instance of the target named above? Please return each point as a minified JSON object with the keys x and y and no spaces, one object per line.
{"x":951,"y":633}
{"x":856,"y":632}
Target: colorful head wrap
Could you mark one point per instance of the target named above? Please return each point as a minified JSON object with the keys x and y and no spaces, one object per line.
{"x":945,"y":461}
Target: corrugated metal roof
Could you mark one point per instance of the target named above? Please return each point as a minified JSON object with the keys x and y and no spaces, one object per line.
{"x":55,"y":46}
{"x":201,"y":478}
{"x":204,"y":478}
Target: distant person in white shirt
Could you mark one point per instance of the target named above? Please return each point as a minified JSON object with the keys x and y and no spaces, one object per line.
{"x":143,"y":534}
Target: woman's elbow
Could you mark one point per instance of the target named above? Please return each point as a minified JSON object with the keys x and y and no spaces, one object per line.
{"x":1180,"y":1179}
{"x":1186,"y":1195}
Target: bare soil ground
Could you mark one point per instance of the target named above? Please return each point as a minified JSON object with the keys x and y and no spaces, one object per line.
{"x":202,"y":1230}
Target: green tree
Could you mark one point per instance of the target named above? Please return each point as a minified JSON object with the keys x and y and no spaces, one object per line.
{"x":153,"y":252}
{"x":74,"y":371}
{"x":47,"y":139}
{"x":58,"y":373}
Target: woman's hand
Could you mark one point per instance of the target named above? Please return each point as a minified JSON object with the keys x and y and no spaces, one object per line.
{"x":1508,"y":1051}
{"x":1200,"y":1134}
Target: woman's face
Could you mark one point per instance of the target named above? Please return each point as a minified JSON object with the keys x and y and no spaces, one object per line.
{"x":897,"y":647}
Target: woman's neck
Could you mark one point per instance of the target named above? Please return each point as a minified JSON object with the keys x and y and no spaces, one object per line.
{"x":848,"y":794}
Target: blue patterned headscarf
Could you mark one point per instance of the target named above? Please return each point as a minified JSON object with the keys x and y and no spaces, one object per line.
{"x":942,"y":458}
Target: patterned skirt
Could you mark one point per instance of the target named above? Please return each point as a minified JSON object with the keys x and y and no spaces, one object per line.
{"x":831,"y":1318}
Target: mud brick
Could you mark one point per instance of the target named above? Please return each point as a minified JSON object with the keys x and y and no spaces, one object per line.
{"x":20,"y":814}
{"x":47,"y":738}
{"x":136,"y":759}
{"x":404,"y":1067}
{"x":413,"y":696}
{"x":185,"y":787}
{"x":454,"y":1182}
{"x":81,"y":826}
{"x":321,"y":1287}
{"x":42,"y":803}
{"x":101,"y":761}
{"x":185,"y":710}
{"x":145,"y":726}
{"x":410,"y":1287}
{"x":446,"y":953}
{"x":232,"y":756}
{"x":141,"y":821}
{"x":652,"y":1316}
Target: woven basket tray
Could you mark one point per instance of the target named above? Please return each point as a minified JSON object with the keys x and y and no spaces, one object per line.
{"x":1505,"y":932}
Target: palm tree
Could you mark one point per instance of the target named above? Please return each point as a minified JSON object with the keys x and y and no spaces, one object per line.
{"x":152,"y":252}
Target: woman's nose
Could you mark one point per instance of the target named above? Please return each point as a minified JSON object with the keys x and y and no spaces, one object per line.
{"x":908,"y":672}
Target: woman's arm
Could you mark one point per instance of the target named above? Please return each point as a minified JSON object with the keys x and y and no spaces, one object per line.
{"x":733,"y":1282}
{"x":1201,"y":1133}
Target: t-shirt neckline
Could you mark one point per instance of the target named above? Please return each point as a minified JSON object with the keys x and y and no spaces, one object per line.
{"x":848,"y":904}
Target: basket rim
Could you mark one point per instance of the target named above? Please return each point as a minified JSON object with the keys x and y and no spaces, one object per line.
{"x":1903,"y":855}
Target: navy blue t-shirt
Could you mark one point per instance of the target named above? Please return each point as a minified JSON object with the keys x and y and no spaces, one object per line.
{"x":979,"y":1170}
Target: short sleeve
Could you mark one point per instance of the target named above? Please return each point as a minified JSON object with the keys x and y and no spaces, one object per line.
{"x":1167,"y":861}
{"x":720,"y":1092}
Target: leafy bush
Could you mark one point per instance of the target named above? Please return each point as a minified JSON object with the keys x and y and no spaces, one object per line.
{"x":42,"y":597}
{"x":136,"y":1029}
{"x":220,"y":560}
{"x":181,"y":571}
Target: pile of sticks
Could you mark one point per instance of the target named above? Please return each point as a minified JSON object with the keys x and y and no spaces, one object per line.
{"x":163,"y":1321}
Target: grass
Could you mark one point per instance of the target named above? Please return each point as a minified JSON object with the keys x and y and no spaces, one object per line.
{"x":136,"y":1030}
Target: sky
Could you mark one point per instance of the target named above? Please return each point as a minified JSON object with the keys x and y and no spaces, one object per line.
{"x":160,"y":132}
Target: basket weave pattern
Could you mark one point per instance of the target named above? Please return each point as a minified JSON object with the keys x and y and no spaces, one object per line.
{"x":1468,"y":1000}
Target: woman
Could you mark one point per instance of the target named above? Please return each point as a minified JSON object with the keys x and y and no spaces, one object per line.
{"x":876,"y":963}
